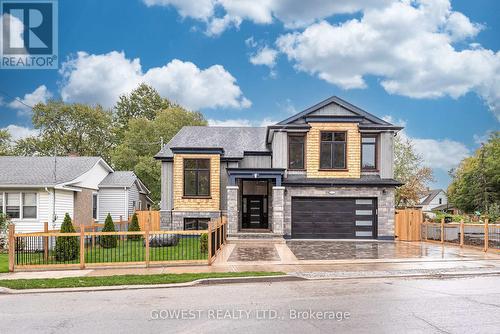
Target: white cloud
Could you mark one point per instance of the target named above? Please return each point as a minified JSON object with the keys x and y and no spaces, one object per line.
{"x":40,"y":95}
{"x":219,"y":15}
{"x":408,"y":44}
{"x":102,"y":78}
{"x":264,"y":56}
{"x":441,"y":154}
{"x":241,"y":122}
{"x":15,"y":28}
{"x":19,"y":132}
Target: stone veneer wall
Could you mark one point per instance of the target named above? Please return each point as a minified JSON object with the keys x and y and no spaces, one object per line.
{"x":385,"y":204}
{"x":174,"y":220}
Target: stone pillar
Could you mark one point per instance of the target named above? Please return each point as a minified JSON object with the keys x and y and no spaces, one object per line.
{"x":278,"y":210}
{"x":232,"y":209}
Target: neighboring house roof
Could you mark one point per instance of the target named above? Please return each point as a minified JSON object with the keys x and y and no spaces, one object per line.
{"x":122,"y":179}
{"x":39,"y":171}
{"x":430,"y":195}
{"x":364,"y":180}
{"x":443,"y":207}
{"x":231,"y":142}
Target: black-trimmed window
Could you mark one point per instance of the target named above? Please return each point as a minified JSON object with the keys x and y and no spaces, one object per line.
{"x":196,"y":223}
{"x":369,"y":152}
{"x":296,"y":145}
{"x":196,"y":177}
{"x":333,"y":150}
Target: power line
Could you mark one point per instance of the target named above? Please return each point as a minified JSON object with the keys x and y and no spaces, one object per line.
{"x":15,"y":99}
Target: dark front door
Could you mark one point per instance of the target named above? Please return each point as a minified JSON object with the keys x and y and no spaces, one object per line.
{"x":334,"y":218}
{"x":254,"y":212}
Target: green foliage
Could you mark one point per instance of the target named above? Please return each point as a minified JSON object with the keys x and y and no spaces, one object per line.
{"x":204,"y":243}
{"x":69,"y":129}
{"x":476,"y":181}
{"x":134,"y":227}
{"x":142,"y":102}
{"x":108,"y":241}
{"x":141,"y":141}
{"x":409,"y":170}
{"x":454,"y":218}
{"x":4,"y":225}
{"x":5,"y":142}
{"x":67,"y":248}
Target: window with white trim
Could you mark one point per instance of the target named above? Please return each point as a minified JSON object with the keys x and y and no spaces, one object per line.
{"x":1,"y":202}
{"x":13,"y":205}
{"x":29,"y":205}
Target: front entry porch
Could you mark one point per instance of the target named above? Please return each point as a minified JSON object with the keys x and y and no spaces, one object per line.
{"x":255,"y":203}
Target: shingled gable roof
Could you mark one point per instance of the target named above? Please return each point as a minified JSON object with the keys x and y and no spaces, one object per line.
{"x":39,"y":171}
{"x":430,"y":195}
{"x":123,"y":179}
{"x":344,"y":104}
{"x":231,"y":142}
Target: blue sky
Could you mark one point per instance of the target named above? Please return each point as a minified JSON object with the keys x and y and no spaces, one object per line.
{"x":431,"y":65}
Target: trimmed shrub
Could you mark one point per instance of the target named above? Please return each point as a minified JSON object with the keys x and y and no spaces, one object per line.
{"x":204,"y":243}
{"x":67,"y":248}
{"x":134,"y":227}
{"x":108,"y":241}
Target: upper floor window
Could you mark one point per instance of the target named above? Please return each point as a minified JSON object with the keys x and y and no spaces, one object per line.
{"x":369,"y":152}
{"x":296,"y":151}
{"x":333,"y":150}
{"x":196,"y":177}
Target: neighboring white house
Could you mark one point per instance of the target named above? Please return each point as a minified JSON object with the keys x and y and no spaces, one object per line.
{"x":34,"y":190}
{"x":433,"y":199}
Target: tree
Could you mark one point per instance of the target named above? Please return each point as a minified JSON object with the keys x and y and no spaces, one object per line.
{"x":476,"y":181}
{"x":142,"y":102}
{"x":67,"y":248}
{"x":409,"y":170}
{"x":4,"y":142}
{"x":67,"y":129}
{"x":142,"y":140}
{"x":108,"y":241}
{"x":134,"y":227}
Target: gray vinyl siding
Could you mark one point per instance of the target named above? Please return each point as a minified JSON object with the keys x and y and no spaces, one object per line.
{"x":167,"y":189}
{"x":386,"y":155}
{"x":133,"y":196}
{"x":280,"y":150}
{"x":256,"y":161}
{"x":113,"y":201}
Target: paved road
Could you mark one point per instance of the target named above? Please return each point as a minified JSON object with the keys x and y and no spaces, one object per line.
{"x":460,"y":305}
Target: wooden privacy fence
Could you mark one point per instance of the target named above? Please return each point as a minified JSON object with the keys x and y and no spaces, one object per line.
{"x":408,"y":224}
{"x":86,"y":249}
{"x":485,"y":236}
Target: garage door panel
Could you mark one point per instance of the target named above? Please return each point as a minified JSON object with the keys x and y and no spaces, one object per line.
{"x":333,"y":218}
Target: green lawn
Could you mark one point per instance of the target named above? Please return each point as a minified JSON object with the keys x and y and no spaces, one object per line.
{"x":76,"y":282}
{"x":4,"y":262}
{"x":188,"y":248}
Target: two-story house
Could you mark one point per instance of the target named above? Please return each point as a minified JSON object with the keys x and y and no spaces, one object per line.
{"x":326,"y":172}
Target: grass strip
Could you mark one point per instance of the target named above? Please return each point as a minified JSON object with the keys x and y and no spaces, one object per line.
{"x":86,"y":281}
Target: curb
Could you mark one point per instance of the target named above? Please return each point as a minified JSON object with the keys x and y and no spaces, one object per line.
{"x":413,"y":275}
{"x":203,"y":281}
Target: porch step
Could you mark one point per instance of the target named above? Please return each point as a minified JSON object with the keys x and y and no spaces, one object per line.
{"x":255,"y":237}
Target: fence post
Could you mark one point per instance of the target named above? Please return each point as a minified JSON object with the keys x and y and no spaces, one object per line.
{"x":82,"y":246}
{"x":462,"y":230}
{"x":442,"y":230}
{"x":486,"y":234}
{"x":146,"y":240}
{"x":46,"y":242}
{"x":209,"y":242}
{"x":12,"y":246}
